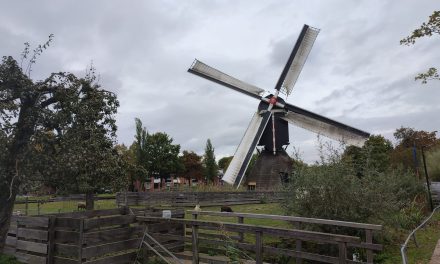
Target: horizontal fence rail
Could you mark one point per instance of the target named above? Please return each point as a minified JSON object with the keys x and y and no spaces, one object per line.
{"x":221,"y":234}
{"x":177,"y":199}
{"x":298,"y":223}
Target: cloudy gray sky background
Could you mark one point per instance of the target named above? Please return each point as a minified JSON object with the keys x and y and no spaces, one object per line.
{"x":357,"y":72}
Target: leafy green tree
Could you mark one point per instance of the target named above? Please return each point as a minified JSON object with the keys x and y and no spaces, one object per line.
{"x":140,"y":143}
{"x":223,"y":163}
{"x":374,"y":155}
{"x":210,"y":165}
{"x":139,"y":151}
{"x":63,"y":111}
{"x":192,"y":165}
{"x":162,"y":156}
{"x":427,"y":29}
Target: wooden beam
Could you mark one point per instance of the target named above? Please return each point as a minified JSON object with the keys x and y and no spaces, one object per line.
{"x":33,"y":221}
{"x":259,"y":247}
{"x":51,"y":240}
{"x":32,"y":233}
{"x":108,"y":221}
{"x":291,"y":219}
{"x":97,"y":251}
{"x":195,"y":244}
{"x":32,"y":246}
{"x":279,"y":232}
{"x":112,"y":235}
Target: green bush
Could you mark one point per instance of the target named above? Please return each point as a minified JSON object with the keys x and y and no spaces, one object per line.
{"x":331,"y":189}
{"x":433,"y":164}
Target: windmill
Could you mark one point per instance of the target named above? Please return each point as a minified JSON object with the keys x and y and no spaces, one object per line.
{"x":269,"y":125}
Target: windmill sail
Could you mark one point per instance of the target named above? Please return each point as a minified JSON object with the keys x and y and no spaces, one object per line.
{"x":203,"y":70}
{"x":239,"y":163}
{"x":325,"y":126}
{"x":297,"y":59}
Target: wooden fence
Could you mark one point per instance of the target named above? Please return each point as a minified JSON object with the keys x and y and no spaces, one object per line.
{"x":181,"y":199}
{"x":29,"y":239}
{"x":35,"y":206}
{"x":366,"y":230}
{"x":113,"y":237}
{"x":92,"y":237}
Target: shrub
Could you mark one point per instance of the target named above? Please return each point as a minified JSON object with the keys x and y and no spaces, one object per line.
{"x":433,"y":164}
{"x":331,"y":189}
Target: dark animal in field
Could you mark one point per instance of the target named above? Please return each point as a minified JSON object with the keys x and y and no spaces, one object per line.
{"x":226,"y":209}
{"x":81,"y":206}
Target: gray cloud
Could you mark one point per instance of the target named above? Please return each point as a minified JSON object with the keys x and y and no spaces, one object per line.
{"x":356,"y":73}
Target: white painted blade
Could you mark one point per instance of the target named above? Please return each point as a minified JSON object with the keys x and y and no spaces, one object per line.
{"x":243,"y":154}
{"x":299,"y":60}
{"x":328,"y":128}
{"x":210,"y":73}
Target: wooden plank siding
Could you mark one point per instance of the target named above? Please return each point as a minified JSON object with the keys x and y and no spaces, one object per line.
{"x":27,"y":239}
{"x":108,"y":221}
{"x":96,"y":251}
{"x":32,"y":246}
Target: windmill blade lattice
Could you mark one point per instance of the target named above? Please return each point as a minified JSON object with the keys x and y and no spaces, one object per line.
{"x":325,"y":126}
{"x":239,"y":163}
{"x":305,"y":45}
{"x":212,"y":74}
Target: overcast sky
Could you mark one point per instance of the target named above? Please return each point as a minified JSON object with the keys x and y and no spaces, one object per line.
{"x":357,"y":72}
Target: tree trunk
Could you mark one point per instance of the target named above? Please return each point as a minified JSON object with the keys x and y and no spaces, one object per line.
{"x":7,"y":200}
{"x":11,"y":182}
{"x":90,"y":201}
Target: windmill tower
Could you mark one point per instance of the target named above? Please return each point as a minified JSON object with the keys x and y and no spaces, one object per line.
{"x":269,"y":125}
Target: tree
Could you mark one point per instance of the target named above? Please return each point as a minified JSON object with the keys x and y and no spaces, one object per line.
{"x":223,"y":163}
{"x":408,"y":142}
{"x":210,"y":165}
{"x":374,"y":155}
{"x":192,"y":165}
{"x":139,"y":150}
{"x":376,"y":152}
{"x":162,"y":157}
{"x":61,"y":109}
{"x":427,"y":29}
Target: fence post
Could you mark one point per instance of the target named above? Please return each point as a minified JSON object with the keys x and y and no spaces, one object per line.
{"x":258,"y":247}
{"x":38,"y":207}
{"x":342,"y":252}
{"x":240,"y":234}
{"x":51,"y":240}
{"x":298,"y":243}
{"x":195,"y":244}
{"x":80,"y":240}
{"x":369,"y":239}
{"x":26,"y":206}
